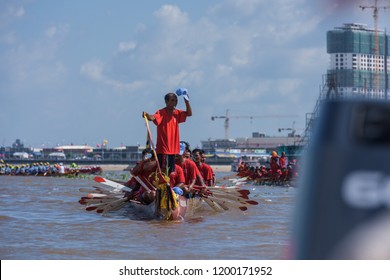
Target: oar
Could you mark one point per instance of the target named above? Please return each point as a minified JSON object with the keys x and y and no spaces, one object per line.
{"x":106,"y":191}
{"x":89,"y":201}
{"x":218,"y":202}
{"x":114,"y":206}
{"x":212,"y":204}
{"x":142,"y":183}
{"x":87,"y":190}
{"x":226,"y":177}
{"x":112,"y":184}
{"x":160,"y":175}
{"x":221,"y":190}
{"x":107,"y":206}
{"x":240,"y":199}
{"x":224,"y":207}
{"x":118,"y":186}
{"x":236,"y":200}
{"x":103,"y":190}
{"x":236,"y":180}
{"x":244,"y":195}
{"x":225,"y":187}
{"x":104,"y":195}
{"x":230,"y":191}
{"x":228,"y":204}
{"x":224,"y":200}
{"x":238,"y":192}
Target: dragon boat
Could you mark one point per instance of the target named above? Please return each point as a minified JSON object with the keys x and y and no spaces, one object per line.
{"x":110,"y":196}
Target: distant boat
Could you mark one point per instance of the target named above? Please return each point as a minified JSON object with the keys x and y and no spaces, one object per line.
{"x":253,"y":159}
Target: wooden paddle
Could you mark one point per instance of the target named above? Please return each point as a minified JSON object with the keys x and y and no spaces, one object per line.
{"x":111,"y":205}
{"x":227,"y":204}
{"x":112,"y":184}
{"x":212,"y":199}
{"x":160,"y":175}
{"x":212,"y":204}
{"x":234,"y":198}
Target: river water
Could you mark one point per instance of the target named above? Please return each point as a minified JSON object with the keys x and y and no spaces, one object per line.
{"x":41,"y":219}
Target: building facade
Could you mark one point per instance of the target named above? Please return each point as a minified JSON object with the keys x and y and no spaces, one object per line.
{"x":359,"y":62}
{"x":257,"y":142}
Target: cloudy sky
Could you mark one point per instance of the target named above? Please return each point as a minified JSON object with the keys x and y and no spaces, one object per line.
{"x":83,"y":71}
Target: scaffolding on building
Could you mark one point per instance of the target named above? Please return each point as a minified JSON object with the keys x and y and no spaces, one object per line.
{"x":327,"y":90}
{"x":352,"y":39}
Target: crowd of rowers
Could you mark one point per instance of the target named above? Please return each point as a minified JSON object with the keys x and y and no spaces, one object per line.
{"x":191,"y":173}
{"x":45,"y":169}
{"x":280,"y":172}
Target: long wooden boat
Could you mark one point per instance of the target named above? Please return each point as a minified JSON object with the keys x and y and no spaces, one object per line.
{"x":185,"y":211}
{"x":103,"y":202}
{"x":219,"y":199}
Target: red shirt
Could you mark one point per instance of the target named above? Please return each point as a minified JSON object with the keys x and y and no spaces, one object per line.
{"x":176,"y":176}
{"x":168,"y":136}
{"x":274,"y":163}
{"x":283,"y":162}
{"x":191,"y":171}
{"x":206,"y":171}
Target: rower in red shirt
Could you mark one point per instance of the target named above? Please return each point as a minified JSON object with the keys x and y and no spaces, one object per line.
{"x":205,"y":170}
{"x":191,"y":173}
{"x":140,"y":174}
{"x":177,"y":180}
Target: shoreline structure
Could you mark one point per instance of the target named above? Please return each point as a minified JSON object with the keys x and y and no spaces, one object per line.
{"x":122,"y":167}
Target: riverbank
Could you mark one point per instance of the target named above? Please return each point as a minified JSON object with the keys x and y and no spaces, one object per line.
{"x":122,"y":167}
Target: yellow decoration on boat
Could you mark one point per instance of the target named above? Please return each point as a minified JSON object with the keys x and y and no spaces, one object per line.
{"x":166,"y":198}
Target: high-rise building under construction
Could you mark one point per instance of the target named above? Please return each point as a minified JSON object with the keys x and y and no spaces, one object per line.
{"x":359,"y":62}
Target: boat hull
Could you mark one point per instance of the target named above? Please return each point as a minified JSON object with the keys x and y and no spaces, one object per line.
{"x":185,"y":209}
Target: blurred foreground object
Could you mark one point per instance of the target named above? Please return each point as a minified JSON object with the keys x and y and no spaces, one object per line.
{"x":344,"y":200}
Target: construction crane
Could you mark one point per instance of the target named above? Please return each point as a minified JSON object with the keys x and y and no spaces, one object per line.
{"x":375,"y":9}
{"x":292,"y":129}
{"x":227,"y":119}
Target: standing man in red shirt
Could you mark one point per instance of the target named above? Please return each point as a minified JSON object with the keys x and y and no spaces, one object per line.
{"x":167,"y":121}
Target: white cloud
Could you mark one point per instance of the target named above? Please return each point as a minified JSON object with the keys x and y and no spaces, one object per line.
{"x":305,"y":60}
{"x":126,"y":46}
{"x":19,"y":12}
{"x":51,"y":31}
{"x":223,"y":70}
{"x":93,"y":69}
{"x":171,"y":15}
{"x":32,"y":67}
{"x":10,"y":12}
{"x":14,"y":11}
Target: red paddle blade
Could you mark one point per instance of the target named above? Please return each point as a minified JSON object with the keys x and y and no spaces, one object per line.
{"x":91,"y":208}
{"x":252,"y":202}
{"x":243,"y":208}
{"x":99,"y":179}
{"x":244,"y":192}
